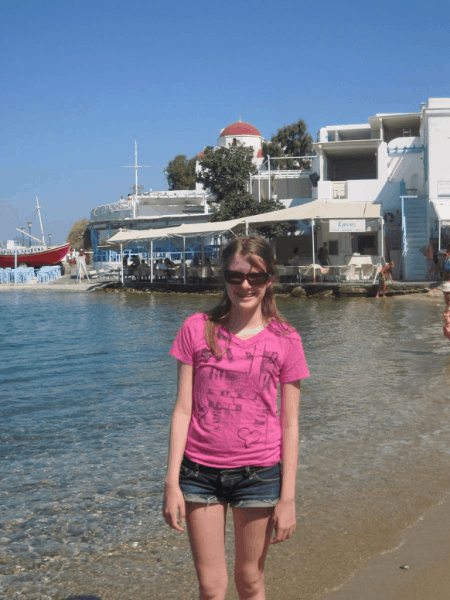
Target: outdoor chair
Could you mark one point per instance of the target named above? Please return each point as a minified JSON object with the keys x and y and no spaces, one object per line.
{"x":293,"y":273}
{"x":315,"y":271}
{"x":348,"y":272}
{"x":206,"y":274}
{"x":281,"y":272}
{"x":367,"y":272}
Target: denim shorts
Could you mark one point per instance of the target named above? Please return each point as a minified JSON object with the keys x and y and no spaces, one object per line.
{"x":244,"y":487}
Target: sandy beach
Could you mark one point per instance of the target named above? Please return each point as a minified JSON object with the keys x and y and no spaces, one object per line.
{"x":418,"y":569}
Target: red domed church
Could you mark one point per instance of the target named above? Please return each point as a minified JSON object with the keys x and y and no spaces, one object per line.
{"x":244,"y":133}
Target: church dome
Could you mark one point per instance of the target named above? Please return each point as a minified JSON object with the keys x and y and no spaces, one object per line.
{"x":238,"y":129}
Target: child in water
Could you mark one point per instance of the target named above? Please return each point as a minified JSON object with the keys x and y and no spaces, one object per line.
{"x":227,"y":444}
{"x":385,"y":273}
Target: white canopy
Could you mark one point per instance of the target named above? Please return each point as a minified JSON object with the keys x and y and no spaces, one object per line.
{"x":321,"y":209}
{"x":443,"y":212}
{"x":184,"y":230}
{"x":317,"y":209}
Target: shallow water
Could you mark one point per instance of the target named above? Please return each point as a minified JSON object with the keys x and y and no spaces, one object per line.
{"x":86,"y":393}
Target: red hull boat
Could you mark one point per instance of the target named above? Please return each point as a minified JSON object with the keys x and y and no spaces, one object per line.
{"x":37,"y":258}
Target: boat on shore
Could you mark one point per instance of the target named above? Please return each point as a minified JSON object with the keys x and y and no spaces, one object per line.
{"x":35,"y":256}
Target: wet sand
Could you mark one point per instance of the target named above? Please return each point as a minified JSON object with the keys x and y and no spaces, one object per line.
{"x":418,"y":569}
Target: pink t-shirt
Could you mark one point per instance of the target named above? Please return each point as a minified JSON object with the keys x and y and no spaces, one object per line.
{"x":234,"y":420}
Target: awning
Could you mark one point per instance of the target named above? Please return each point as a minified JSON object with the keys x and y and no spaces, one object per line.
{"x":321,"y":209}
{"x":185,"y":230}
{"x":205,"y":229}
{"x":135,"y":235}
{"x":443,"y":212}
{"x":317,"y":209}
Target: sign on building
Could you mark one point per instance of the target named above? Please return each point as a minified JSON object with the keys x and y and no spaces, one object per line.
{"x":343,"y":225}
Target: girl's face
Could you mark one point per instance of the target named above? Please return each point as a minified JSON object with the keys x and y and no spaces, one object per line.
{"x":245,"y":296}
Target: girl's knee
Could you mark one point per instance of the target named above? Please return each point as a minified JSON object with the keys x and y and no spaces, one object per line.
{"x":213,"y":584}
{"x":249,"y":578}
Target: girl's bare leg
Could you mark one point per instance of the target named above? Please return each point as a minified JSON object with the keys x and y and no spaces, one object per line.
{"x":252,"y":530}
{"x":206,"y":527}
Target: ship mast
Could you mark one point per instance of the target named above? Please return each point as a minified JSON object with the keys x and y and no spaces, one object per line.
{"x":135,"y":167}
{"x":40,"y":221}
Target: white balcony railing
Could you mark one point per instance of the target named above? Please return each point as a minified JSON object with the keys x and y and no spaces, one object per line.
{"x":339,"y":190}
{"x":354,"y":190}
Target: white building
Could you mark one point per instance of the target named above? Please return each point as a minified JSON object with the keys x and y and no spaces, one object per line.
{"x":399,"y":161}
{"x":153,"y":210}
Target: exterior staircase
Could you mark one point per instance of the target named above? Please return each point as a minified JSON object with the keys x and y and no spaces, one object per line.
{"x":415,"y":237}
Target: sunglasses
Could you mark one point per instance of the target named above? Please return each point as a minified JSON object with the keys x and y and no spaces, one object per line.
{"x":236,"y":278}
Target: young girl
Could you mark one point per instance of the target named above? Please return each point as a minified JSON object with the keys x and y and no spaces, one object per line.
{"x":384,"y":274}
{"x":226,"y":438}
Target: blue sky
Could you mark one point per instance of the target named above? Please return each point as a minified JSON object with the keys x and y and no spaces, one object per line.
{"x":82,"y":80}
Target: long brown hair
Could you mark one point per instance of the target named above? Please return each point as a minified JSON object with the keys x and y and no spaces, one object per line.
{"x":253,"y":250}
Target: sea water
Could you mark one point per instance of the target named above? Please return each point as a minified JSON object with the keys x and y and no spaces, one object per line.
{"x":86,"y":393}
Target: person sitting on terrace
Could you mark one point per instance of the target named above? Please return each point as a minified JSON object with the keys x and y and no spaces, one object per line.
{"x":295,"y":258}
{"x":161,"y":269}
{"x":135,"y":262}
{"x":142,"y":271}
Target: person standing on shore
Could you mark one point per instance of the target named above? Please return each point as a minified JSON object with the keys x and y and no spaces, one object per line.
{"x":446,"y":265}
{"x":429,"y":251}
{"x":226,"y":439}
{"x":323,"y":255}
{"x":81,"y":265}
{"x":385,"y":273}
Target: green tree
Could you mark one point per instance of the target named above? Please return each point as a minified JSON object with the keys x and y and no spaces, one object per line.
{"x":79,"y":235}
{"x":140,"y":188}
{"x":225,"y":173}
{"x":291,"y":140}
{"x":180,"y":173}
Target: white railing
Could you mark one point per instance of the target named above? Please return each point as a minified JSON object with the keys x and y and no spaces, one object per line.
{"x":357,"y":190}
{"x":339,"y":189}
{"x":283,"y":174}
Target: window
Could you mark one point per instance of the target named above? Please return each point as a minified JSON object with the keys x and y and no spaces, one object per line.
{"x":333,"y":246}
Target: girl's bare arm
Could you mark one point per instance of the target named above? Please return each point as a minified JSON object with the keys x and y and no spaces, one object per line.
{"x":173,"y":497}
{"x":284,"y":513}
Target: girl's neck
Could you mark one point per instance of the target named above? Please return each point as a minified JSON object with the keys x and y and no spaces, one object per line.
{"x":239,"y":321}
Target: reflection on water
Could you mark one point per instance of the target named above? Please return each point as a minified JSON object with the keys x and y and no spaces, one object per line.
{"x":87,"y":388}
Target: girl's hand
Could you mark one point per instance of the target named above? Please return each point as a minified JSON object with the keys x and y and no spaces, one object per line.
{"x":174,"y":504}
{"x":283,"y":519}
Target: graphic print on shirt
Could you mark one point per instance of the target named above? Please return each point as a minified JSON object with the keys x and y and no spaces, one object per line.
{"x":269,"y":367}
{"x":232,"y":406}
